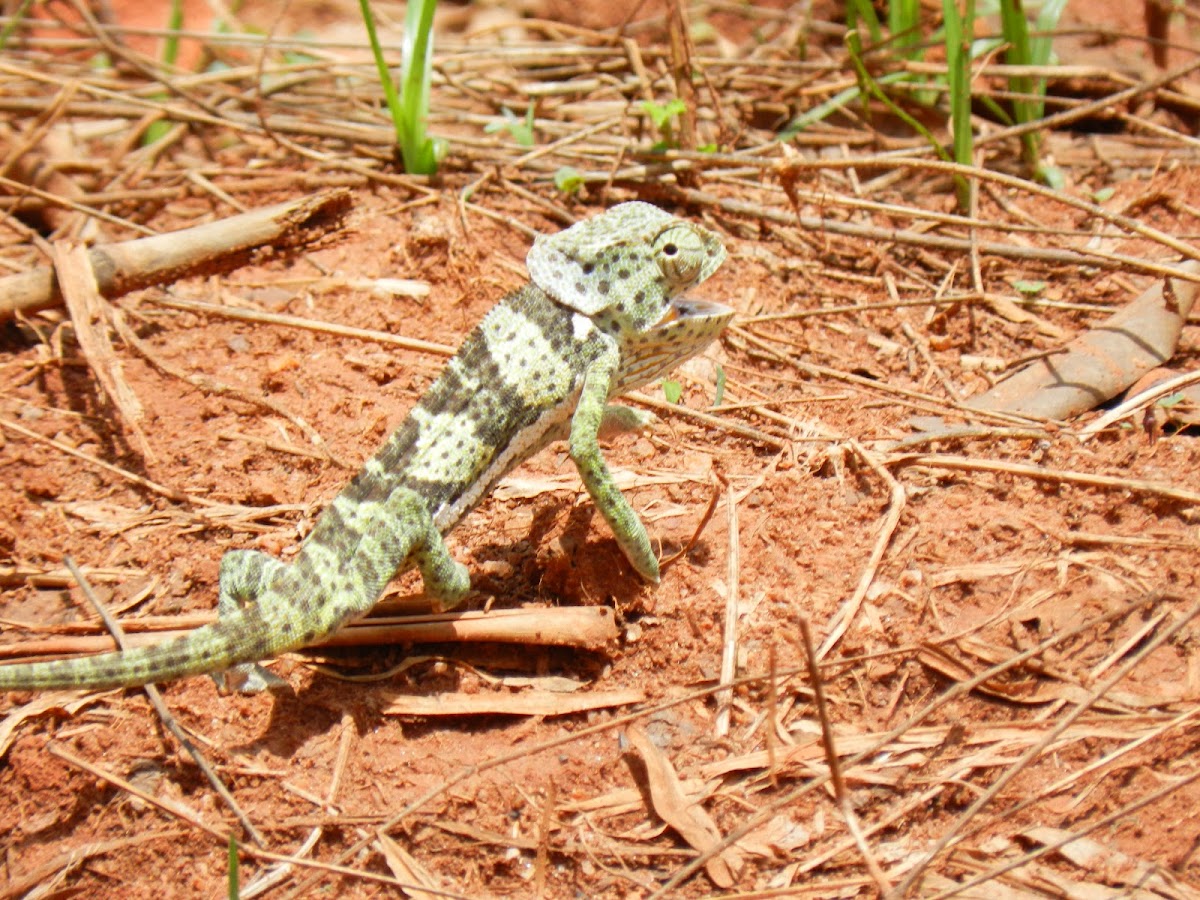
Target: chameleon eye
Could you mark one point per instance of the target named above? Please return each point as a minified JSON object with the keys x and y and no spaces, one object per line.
{"x":680,"y":253}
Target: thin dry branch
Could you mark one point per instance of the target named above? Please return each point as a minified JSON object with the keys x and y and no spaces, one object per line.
{"x":588,"y":628}
{"x":215,"y":246}
{"x":1024,"y":470}
{"x":92,"y":318}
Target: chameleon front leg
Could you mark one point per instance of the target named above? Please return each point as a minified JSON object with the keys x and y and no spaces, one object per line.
{"x":591,"y":414}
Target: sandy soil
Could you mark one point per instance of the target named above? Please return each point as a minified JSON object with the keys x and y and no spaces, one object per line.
{"x":940,"y":571}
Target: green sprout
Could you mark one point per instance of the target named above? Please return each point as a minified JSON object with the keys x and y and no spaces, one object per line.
{"x":409,"y":108}
{"x":663,"y":115}
{"x":569,"y":180}
{"x":520,"y":129}
{"x":158,"y":129}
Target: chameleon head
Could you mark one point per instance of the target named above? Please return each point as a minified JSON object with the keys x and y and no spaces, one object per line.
{"x":632,"y":261}
{"x":627,"y":271}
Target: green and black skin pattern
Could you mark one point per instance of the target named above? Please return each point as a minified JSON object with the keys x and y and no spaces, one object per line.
{"x":603,"y":313}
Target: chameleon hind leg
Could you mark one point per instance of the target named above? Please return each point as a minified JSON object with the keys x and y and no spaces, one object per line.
{"x":329,"y":584}
{"x":407,"y":533}
{"x":618,"y":420}
{"x":245,"y":576}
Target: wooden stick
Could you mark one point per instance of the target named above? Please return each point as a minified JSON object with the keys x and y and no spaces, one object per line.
{"x":590,"y":627}
{"x":215,"y":246}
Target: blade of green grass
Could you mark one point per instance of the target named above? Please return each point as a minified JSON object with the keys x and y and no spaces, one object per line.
{"x":904,"y":22}
{"x":14,"y":22}
{"x":157,"y":130}
{"x":421,"y":155}
{"x":233,"y":890}
{"x":959,"y":32}
{"x":871,"y":86}
{"x":390,"y":96}
{"x":1024,"y":50}
{"x":1015,"y":29}
{"x":409,"y":106}
{"x":862,"y":11}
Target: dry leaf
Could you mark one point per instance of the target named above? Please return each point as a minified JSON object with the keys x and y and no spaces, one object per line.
{"x":687,"y":817}
{"x":1102,"y":362}
{"x":58,"y":702}
{"x":527,"y":703}
{"x":1111,"y":865}
{"x":408,"y":870}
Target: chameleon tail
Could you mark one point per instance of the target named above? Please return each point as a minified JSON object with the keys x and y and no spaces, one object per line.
{"x":244,"y":635}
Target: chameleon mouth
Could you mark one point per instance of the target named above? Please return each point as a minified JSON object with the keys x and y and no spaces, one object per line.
{"x":687,"y":308}
{"x":687,"y":328}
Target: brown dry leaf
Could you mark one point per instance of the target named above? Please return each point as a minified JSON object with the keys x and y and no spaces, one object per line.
{"x":689,"y":819}
{"x":1102,"y":362}
{"x":528,"y":703}
{"x":1046,"y":687}
{"x":68,"y":704}
{"x":995,"y":889}
{"x":1111,"y":865}
{"x":1013,"y":312}
{"x":552,"y":684}
{"x":91,"y":316}
{"x":941,"y":661}
{"x":978,"y":572}
{"x":408,"y":870}
{"x":778,"y":838}
{"x":622,"y":801}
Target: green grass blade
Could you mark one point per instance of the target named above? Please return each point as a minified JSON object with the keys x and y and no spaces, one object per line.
{"x":385,"y":77}
{"x":833,"y":104}
{"x":420,"y":153}
{"x":1015,"y":29}
{"x":1024,"y":50}
{"x":233,"y":888}
{"x":1040,"y":47}
{"x":157,"y":130}
{"x":409,"y":105}
{"x":904,"y":22}
{"x":862,"y":11}
{"x":14,"y":22}
{"x":870,"y":86}
{"x":959,"y":32}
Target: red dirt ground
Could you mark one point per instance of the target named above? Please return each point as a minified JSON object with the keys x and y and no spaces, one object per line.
{"x":1008,"y":561}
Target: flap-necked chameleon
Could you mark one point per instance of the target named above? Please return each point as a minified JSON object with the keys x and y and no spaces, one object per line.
{"x":604,"y":312}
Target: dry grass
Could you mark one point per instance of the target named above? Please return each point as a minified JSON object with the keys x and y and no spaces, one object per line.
{"x":1000,"y":756}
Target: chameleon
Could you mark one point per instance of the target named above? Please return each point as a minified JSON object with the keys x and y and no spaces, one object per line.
{"x":604,"y":311}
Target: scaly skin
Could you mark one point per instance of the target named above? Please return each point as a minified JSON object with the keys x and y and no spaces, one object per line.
{"x":603,"y":314}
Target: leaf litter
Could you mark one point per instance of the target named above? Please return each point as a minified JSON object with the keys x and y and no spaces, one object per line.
{"x":1009,"y":665}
